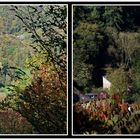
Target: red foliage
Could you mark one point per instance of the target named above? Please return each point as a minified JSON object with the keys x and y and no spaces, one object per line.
{"x":102,"y":108}
{"x":11,"y":122}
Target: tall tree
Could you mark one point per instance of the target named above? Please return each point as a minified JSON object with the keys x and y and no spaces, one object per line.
{"x":87,"y":43}
{"x":40,"y":95}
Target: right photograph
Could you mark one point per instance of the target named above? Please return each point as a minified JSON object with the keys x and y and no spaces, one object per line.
{"x":106,"y":69}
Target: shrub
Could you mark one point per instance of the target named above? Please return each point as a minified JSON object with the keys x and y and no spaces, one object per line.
{"x":11,"y":122}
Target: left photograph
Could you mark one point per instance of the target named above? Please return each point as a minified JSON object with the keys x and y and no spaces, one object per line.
{"x":33,"y":69}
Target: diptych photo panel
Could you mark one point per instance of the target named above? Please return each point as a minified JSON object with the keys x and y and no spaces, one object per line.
{"x":33,"y":69}
{"x":106,"y":69}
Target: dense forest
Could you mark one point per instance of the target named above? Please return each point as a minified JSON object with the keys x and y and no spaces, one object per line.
{"x":106,"y":42}
{"x":33,"y":44}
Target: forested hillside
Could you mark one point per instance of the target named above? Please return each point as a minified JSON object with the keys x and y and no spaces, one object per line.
{"x":33,"y":44}
{"x":106,"y":42}
{"x":106,"y":39}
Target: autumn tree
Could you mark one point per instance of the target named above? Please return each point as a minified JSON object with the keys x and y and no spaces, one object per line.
{"x":40,"y":95}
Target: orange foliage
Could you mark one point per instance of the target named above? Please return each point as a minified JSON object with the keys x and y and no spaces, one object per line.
{"x":52,"y":81}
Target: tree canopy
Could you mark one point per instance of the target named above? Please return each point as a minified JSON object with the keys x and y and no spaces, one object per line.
{"x":104,"y":37}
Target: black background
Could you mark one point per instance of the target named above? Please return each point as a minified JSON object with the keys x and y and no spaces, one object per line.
{"x":69,"y":74}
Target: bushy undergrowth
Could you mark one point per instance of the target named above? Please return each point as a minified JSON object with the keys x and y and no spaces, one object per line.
{"x":11,"y":122}
{"x":101,"y":116}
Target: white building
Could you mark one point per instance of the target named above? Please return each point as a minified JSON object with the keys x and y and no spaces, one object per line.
{"x":106,"y":83}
